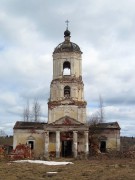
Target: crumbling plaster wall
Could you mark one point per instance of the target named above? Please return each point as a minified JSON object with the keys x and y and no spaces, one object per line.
{"x":75,"y":60}
{"x":65,"y":110}
{"x":23,"y":136}
{"x":57,"y":90}
{"x":113,"y":139}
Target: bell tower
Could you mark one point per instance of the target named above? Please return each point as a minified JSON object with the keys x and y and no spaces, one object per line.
{"x":67,"y":88}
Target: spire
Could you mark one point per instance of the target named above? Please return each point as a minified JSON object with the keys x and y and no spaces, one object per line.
{"x":67,"y":32}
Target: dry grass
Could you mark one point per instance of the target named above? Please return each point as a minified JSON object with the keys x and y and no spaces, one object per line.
{"x":109,"y":169}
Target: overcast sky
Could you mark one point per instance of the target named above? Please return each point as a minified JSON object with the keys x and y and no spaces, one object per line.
{"x":105,"y":32}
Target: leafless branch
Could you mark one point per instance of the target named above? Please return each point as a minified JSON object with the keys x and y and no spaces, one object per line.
{"x":36,"y":110}
{"x":26,"y":112}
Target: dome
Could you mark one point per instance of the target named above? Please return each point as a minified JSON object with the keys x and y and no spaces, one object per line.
{"x":67,"y":33}
{"x":67,"y":46}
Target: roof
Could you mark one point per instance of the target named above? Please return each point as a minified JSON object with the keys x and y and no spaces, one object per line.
{"x":108,"y":125}
{"x":67,"y":45}
{"x":29,"y":125}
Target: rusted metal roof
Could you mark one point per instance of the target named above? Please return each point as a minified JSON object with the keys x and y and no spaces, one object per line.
{"x":108,"y":125}
{"x":29,"y":125}
{"x":67,"y":47}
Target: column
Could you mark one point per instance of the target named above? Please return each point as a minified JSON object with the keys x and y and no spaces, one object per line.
{"x":46,"y":143}
{"x":75,"y":143}
{"x":57,"y":144}
{"x":86,"y":136}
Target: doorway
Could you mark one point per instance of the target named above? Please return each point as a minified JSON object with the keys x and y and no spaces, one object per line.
{"x":31,"y":144}
{"x":67,"y":148}
{"x":103,"y":146}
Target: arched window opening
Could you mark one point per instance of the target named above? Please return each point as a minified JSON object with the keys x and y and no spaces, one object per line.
{"x":66,"y":91}
{"x":66,"y":68}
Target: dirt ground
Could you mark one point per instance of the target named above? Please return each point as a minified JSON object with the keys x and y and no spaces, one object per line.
{"x":92,"y":169}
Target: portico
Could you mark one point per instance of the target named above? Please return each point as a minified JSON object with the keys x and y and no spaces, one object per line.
{"x":66,"y":140}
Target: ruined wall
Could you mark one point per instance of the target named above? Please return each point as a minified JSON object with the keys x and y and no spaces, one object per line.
{"x":52,"y":142}
{"x":65,"y":110}
{"x":81,"y":143}
{"x":23,"y":136}
{"x":57,"y":89}
{"x":112,"y":139}
{"x":75,"y":60}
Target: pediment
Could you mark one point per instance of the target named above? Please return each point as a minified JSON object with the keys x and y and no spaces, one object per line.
{"x":66,"y":120}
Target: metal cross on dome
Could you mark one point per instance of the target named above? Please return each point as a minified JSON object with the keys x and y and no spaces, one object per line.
{"x":67,"y":21}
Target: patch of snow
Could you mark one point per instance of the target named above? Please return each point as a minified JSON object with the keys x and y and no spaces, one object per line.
{"x":52,"y":172}
{"x":44,"y":162}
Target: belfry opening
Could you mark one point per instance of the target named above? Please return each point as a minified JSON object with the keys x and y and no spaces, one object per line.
{"x":66,"y":68}
{"x":66,"y":91}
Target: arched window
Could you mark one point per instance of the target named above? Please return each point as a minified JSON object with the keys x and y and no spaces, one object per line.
{"x":66,"y":91}
{"x":66,"y":68}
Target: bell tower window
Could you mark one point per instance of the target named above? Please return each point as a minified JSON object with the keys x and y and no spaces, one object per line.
{"x":67,"y":92}
{"x":66,"y":68}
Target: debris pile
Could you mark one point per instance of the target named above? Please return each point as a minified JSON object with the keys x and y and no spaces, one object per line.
{"x":5,"y":150}
{"x":2,"y":152}
{"x":22,"y":151}
{"x":129,"y":154}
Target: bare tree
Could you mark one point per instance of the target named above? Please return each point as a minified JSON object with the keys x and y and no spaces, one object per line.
{"x":98,"y":116}
{"x":36,"y":110}
{"x":101,"y":110}
{"x":2,"y":133}
{"x":26,"y":112}
{"x":94,"y":127}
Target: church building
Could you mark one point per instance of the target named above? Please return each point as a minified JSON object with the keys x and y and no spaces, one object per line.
{"x":66,"y":134}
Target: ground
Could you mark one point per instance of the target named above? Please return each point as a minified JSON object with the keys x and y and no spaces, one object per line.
{"x":92,"y":169}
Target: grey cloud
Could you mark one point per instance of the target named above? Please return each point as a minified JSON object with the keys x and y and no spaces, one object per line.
{"x":30,"y":30}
